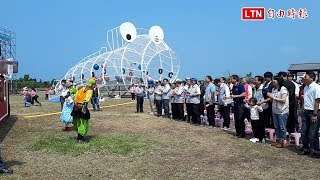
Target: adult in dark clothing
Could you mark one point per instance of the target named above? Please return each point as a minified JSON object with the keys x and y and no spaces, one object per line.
{"x":189,"y":106}
{"x":158,"y":98}
{"x":95,"y":99}
{"x":224,"y":104}
{"x":202,"y":90}
{"x":267,"y":111}
{"x":238,"y":95}
{"x":194,"y":94}
{"x":301,"y":95}
{"x":292,"y":118}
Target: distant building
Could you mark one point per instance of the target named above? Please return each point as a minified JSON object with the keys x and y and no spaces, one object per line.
{"x":299,"y":70}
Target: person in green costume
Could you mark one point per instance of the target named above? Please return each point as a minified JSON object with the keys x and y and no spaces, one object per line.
{"x":80,"y":113}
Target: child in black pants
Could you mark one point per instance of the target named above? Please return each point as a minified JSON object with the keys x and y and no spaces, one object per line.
{"x":257,"y":124}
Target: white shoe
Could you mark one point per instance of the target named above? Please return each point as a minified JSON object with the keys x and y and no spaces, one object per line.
{"x":254,"y":140}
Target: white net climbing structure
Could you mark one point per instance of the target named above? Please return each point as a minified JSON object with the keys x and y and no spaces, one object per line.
{"x":132,"y":55}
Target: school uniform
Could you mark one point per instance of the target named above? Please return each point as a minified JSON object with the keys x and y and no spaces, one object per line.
{"x":173,"y":104}
{"x":166,"y":99}
{"x":195,"y":101}
{"x":158,"y":99}
{"x":179,"y":100}
{"x":189,"y":106}
{"x":210,"y":99}
{"x":139,"y":94}
{"x":224,"y":104}
{"x":151,"y":98}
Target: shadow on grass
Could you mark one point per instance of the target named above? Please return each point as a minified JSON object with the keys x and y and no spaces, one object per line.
{"x":89,"y":138}
{"x":292,"y":147}
{"x":233,"y":133}
{"x":9,"y":164}
{"x":7,"y":126}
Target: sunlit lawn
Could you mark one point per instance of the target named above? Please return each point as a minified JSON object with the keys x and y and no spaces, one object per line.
{"x":125,"y":145}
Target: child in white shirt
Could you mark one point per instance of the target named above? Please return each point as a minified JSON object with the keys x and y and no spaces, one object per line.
{"x":257,"y":124}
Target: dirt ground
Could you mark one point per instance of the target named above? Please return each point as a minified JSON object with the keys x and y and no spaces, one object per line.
{"x":169,"y":149}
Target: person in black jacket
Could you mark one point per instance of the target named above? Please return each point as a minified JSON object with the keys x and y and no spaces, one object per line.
{"x":202,"y":90}
{"x":292,"y":118}
{"x":95,"y":99}
{"x":267,"y":88}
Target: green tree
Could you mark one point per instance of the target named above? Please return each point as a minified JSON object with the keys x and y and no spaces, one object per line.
{"x":250,"y":77}
{"x":26,"y":77}
{"x":29,"y":82}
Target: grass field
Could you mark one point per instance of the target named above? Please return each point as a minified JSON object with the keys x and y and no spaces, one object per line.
{"x":126,"y":145}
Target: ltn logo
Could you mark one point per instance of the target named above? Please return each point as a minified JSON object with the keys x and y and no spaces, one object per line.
{"x":252,"y":13}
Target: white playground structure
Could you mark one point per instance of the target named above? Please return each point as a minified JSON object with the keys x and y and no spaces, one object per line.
{"x":131,"y":56}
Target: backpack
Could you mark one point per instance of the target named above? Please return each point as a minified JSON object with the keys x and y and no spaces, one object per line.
{"x":28,"y":97}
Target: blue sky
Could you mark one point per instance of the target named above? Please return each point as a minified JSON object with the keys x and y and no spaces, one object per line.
{"x":209,"y":36}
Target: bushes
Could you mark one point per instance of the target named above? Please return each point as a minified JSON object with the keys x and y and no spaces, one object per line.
{"x":26,"y":81}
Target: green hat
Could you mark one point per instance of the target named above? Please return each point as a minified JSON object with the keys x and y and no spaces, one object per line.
{"x":91,"y":82}
{"x":73,"y":91}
